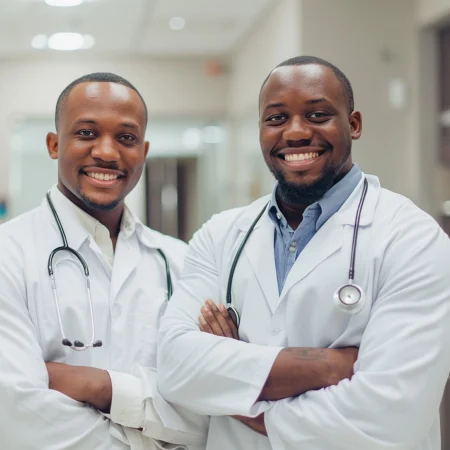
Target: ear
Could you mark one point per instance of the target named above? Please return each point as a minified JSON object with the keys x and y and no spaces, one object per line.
{"x":355,"y":119}
{"x":146,"y":147}
{"x":52,"y":145}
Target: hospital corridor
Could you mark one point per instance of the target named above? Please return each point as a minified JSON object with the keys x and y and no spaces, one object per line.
{"x":225,"y":224}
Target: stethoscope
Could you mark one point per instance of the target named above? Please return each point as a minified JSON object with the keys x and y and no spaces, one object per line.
{"x":78,"y":345}
{"x":349,"y":297}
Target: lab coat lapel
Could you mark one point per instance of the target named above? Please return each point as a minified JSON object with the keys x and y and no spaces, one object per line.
{"x":260,"y":252}
{"x":126,"y":259}
{"x":327,"y":241}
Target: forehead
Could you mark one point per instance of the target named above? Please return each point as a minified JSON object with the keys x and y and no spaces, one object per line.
{"x":103,"y":99}
{"x":303,"y":83}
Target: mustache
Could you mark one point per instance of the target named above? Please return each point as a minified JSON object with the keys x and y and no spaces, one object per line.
{"x":105,"y":165}
{"x":304,"y":143}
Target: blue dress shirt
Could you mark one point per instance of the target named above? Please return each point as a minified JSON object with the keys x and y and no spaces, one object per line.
{"x":288,"y":244}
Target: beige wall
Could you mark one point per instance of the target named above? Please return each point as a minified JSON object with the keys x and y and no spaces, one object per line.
{"x":274,"y":38}
{"x":372,"y":42}
{"x":170,"y":88}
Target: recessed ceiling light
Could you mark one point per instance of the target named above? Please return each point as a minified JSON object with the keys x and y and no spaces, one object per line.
{"x":64,"y":3}
{"x":177,"y":23}
{"x":89,"y":41}
{"x":70,"y":41}
{"x":39,"y":41}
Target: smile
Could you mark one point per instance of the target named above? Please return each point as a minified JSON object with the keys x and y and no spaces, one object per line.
{"x":300,"y":156}
{"x":102,"y":176}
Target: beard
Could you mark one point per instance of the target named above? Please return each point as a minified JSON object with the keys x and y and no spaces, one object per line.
{"x":100,"y":207}
{"x":306,"y":194}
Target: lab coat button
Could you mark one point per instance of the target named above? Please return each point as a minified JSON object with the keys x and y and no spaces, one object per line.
{"x":275,"y":331}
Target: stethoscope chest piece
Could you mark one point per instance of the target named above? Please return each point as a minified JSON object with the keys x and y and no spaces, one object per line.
{"x":349,"y":298}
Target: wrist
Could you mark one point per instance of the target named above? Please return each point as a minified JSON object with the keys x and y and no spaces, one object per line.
{"x":98,"y":390}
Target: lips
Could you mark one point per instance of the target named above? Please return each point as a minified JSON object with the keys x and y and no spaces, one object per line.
{"x":300,"y":153}
{"x":102,"y":173}
{"x":101,"y":177}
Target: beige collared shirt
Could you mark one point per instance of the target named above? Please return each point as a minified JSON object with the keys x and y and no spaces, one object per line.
{"x":96,"y":229}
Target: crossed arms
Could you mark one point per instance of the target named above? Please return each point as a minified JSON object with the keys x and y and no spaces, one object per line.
{"x":392,"y":400}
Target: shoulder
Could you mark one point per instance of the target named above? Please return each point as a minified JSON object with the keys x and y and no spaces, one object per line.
{"x":408,"y":227}
{"x":20,"y":230}
{"x":174,"y":249}
{"x":221,"y":224}
{"x":402,"y":211}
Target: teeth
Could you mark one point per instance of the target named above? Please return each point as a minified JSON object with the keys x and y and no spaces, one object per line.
{"x":301,"y":156}
{"x":103,"y":176}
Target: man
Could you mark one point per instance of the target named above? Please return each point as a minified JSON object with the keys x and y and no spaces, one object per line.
{"x":101,"y":149}
{"x":330,"y":260}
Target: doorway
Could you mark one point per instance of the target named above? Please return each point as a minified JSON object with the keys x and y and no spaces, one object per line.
{"x":171,"y":186}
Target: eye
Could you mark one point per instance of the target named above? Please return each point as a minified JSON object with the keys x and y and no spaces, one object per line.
{"x":276,"y":118}
{"x":129,"y":138}
{"x":319,"y":116}
{"x":86,"y":133}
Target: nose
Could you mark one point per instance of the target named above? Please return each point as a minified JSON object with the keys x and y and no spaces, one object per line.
{"x":106,"y":149}
{"x":297,"y":129}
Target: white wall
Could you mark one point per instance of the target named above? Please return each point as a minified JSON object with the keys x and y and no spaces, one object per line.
{"x":274,"y":38}
{"x":373,"y":42}
{"x":170,"y":88}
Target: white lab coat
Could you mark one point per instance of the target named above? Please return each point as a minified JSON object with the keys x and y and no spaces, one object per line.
{"x":127,"y":306}
{"x":403,"y":331}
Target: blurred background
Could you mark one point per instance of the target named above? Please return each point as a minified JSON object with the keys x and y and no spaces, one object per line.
{"x":199,"y":65}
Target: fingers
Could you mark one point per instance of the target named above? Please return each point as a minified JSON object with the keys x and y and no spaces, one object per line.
{"x":216,"y":320}
{"x":203,"y":325}
{"x":231,"y":323}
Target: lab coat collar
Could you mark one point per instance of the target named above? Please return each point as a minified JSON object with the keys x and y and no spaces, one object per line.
{"x":260,"y":251}
{"x":347,"y":213}
{"x":344,"y":216}
{"x":77,"y":233}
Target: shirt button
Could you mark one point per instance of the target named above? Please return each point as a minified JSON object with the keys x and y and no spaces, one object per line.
{"x":293,"y":247}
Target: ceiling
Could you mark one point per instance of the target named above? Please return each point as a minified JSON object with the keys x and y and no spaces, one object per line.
{"x":131,"y":27}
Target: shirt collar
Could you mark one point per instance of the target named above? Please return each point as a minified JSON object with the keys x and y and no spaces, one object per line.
{"x":329,"y":204}
{"x":89,"y":224}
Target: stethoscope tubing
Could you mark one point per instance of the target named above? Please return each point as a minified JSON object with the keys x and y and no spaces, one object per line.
{"x":337,"y":296}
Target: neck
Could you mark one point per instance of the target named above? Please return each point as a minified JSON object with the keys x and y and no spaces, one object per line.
{"x":293,"y":213}
{"x":110,"y":219}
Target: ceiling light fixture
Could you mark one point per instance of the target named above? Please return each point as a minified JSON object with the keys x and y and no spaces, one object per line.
{"x":39,"y":41}
{"x":64,"y":3}
{"x":177,"y":23}
{"x":70,"y":41}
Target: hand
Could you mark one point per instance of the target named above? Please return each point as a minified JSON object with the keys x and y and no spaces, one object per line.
{"x":216,"y":320}
{"x":341,"y":364}
{"x":255,"y":423}
{"x":83,"y":384}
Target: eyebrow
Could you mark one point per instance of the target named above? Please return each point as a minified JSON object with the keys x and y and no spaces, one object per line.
{"x":274,"y":105}
{"x":308,"y":102}
{"x":316,"y":100}
{"x":94,"y":122}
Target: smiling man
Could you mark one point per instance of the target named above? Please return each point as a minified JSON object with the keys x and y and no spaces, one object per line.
{"x":329,"y":262}
{"x":68,"y":341}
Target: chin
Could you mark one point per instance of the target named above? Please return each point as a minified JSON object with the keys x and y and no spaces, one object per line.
{"x":100,"y":204}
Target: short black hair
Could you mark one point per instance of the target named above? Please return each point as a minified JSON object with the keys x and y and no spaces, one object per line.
{"x":303,"y":60}
{"x":94,"y":77}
